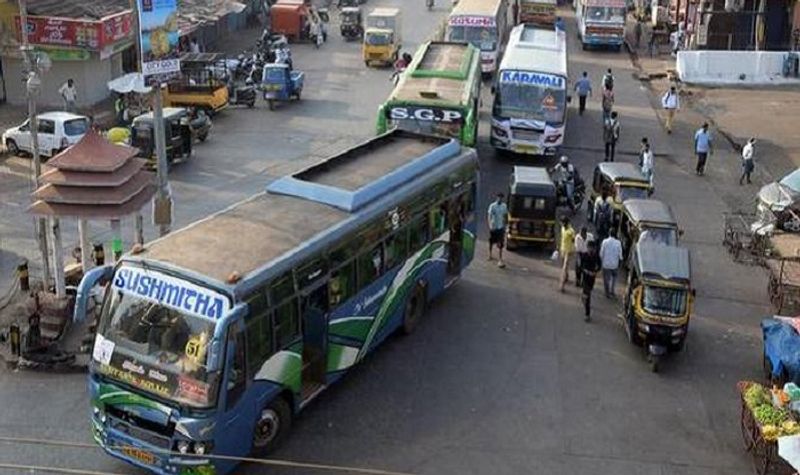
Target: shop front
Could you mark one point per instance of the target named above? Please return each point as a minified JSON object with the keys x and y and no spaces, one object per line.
{"x":91,"y":52}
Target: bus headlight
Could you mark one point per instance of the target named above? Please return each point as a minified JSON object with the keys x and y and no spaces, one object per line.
{"x":499,"y":132}
{"x":183,"y":446}
{"x":552,"y":138}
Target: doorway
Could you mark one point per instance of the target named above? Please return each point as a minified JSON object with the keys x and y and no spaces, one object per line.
{"x":315,"y":339}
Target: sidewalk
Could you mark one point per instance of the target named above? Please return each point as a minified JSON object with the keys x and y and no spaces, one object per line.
{"x":735,"y":114}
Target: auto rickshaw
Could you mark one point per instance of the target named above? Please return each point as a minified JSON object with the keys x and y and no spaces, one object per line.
{"x":280,"y":83}
{"x":203,"y":83}
{"x":658,"y":299}
{"x":532,"y":204}
{"x":178,"y":134}
{"x":351,"y":23}
{"x":621,"y":182}
{"x":646,"y":220}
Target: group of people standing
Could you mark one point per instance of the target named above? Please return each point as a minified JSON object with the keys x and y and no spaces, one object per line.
{"x":611,"y":125}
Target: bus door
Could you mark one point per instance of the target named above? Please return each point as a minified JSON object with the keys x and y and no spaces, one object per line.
{"x":455,"y":245}
{"x":233,"y":432}
{"x":315,"y":338}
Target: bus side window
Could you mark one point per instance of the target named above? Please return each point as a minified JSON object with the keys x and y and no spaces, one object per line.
{"x":470,"y":198}
{"x":438,"y":217}
{"x":370,"y":266}
{"x":286,"y":324}
{"x":395,"y":248}
{"x":342,"y":284}
{"x":237,"y":378}
{"x":418,"y":234}
{"x":258,"y":330}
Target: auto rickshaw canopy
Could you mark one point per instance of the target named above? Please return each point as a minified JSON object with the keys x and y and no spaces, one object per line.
{"x":649,"y":211}
{"x":351,"y":16}
{"x":170,"y":114}
{"x":661,"y":262}
{"x":620,"y":171}
{"x":532,"y":181}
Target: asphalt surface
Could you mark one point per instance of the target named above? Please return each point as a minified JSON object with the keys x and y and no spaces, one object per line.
{"x":503,"y":376}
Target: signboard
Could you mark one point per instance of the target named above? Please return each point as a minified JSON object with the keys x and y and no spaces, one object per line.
{"x":158,"y":30}
{"x":171,"y":292}
{"x":534,"y":79}
{"x":428,"y":114}
{"x":468,"y":20}
{"x":71,"y":33}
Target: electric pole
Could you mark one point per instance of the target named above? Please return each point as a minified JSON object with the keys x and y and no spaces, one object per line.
{"x":33,"y":85}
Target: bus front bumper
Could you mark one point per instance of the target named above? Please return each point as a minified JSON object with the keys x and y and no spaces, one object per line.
{"x":602,"y":40}
{"x":146,"y":456}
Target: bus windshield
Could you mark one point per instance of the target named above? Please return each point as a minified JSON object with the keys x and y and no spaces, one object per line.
{"x":610,"y":14}
{"x":529,"y":101}
{"x":158,"y":349}
{"x":484,"y":38}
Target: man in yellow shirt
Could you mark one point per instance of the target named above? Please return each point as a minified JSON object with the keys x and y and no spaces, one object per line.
{"x":566,"y":249}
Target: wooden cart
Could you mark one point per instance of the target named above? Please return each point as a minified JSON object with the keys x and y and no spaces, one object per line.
{"x":764,"y":452}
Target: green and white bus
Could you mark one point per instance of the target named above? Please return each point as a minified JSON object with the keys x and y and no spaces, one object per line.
{"x":438,"y":94}
{"x":212,"y":338}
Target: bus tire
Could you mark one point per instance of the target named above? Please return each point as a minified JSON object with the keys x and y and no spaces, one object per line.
{"x":415,"y":309}
{"x":272,"y":426}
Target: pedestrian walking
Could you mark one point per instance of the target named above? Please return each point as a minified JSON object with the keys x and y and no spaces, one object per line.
{"x":583,"y":87}
{"x":611,"y":135}
{"x":703,"y":146}
{"x":608,"y":80}
{"x":590,"y":266}
{"x":498,"y":220}
{"x":581,"y":248}
{"x":643,"y":146}
{"x":610,"y":255}
{"x":637,"y":32}
{"x":671,"y":103}
{"x":602,"y":215}
{"x":566,"y":249}
{"x":651,"y":43}
{"x":607,"y":103}
{"x":747,"y":160}
{"x":648,"y":163}
{"x":70,"y":95}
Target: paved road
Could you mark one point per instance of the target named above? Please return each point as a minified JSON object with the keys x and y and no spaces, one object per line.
{"x":503,"y":376}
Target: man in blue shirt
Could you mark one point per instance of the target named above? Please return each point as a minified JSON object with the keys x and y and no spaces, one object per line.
{"x":583,"y":87}
{"x":703,"y":146}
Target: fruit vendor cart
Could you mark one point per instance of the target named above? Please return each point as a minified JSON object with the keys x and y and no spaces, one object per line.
{"x":763,"y":422}
{"x":745,"y":238}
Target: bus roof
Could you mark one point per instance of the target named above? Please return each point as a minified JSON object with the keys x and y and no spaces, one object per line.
{"x":441,"y":72}
{"x":333,"y":195}
{"x":476,"y":7}
{"x":532,"y":48}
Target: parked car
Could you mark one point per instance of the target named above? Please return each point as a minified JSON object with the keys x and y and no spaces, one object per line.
{"x":57,"y":131}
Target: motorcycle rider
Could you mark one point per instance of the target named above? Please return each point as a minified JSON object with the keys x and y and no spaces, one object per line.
{"x":568,"y":176}
{"x":400,"y":65}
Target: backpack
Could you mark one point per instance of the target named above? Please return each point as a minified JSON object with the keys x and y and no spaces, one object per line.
{"x":603,"y":213}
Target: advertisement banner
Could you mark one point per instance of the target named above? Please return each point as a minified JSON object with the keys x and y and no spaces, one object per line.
{"x":158,"y":29}
{"x":70,"y":33}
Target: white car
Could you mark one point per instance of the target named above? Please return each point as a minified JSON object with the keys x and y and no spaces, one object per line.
{"x":57,"y":131}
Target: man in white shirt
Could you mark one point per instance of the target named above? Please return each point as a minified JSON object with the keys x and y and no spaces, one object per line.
{"x":497,"y":218}
{"x":610,"y":256}
{"x":671,"y":103}
{"x":747,"y":161}
{"x":70,"y":95}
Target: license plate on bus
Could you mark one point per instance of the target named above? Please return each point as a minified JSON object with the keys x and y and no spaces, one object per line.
{"x":140,"y":455}
{"x":531,"y":149}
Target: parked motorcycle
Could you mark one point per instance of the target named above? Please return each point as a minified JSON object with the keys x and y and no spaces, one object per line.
{"x":242,"y":95}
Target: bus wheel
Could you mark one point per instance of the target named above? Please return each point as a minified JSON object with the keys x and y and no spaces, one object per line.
{"x":415,"y":308}
{"x":272,"y":426}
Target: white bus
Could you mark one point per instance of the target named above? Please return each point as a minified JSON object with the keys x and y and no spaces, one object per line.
{"x":530,"y":103}
{"x":483,"y":23}
{"x":601,"y":22}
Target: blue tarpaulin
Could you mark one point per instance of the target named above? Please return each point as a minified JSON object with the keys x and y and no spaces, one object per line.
{"x":782,"y":348}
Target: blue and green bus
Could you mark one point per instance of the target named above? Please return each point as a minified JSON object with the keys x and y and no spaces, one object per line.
{"x":212,"y":338}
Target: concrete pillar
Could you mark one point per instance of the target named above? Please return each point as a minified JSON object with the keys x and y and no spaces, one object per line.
{"x":116,"y":239}
{"x":86,"y":249}
{"x":58,"y":258}
{"x":138,"y":224}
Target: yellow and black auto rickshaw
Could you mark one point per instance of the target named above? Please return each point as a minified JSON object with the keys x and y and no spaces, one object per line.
{"x":658,"y":299}
{"x":646,"y":220}
{"x":177,"y":134}
{"x":203,"y":83}
{"x":532,"y":201}
{"x":620,"y":182}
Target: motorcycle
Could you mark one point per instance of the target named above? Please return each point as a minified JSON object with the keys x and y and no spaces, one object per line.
{"x":242,"y":95}
{"x":578,"y":195}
